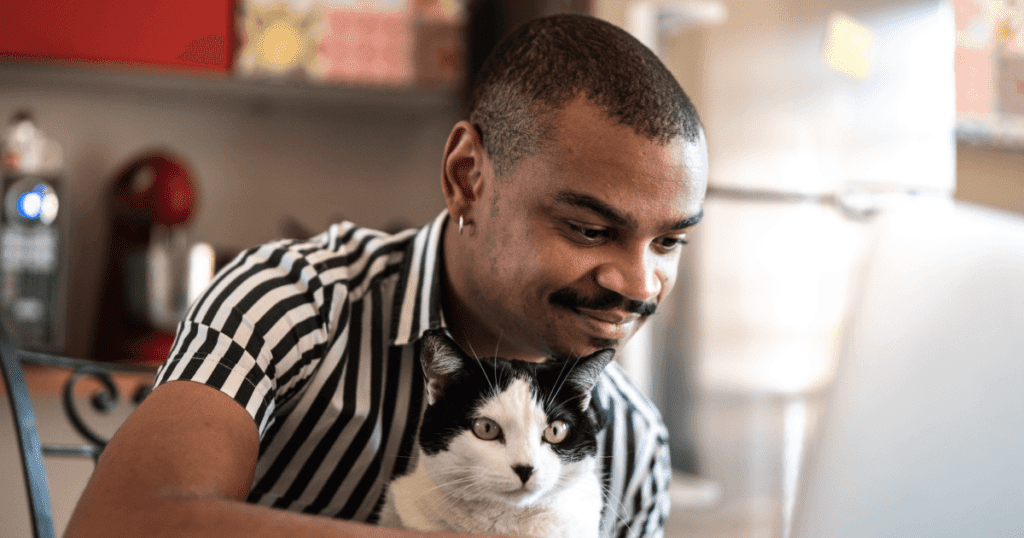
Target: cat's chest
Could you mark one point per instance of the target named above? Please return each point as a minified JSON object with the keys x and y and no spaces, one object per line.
{"x":573,"y":512}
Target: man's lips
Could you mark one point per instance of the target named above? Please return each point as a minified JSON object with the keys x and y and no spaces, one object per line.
{"x":612,"y":317}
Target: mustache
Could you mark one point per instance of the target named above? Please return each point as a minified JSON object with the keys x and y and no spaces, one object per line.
{"x":606,"y":300}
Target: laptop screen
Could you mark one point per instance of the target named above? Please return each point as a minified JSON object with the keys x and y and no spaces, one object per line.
{"x":923,"y":432}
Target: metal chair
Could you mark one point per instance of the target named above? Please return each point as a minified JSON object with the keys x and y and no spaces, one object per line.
{"x":104,"y":400}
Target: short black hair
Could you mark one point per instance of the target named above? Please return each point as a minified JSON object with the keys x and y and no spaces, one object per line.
{"x":546,"y":62}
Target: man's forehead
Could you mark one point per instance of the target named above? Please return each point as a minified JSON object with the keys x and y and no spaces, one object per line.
{"x":591,"y":162}
{"x":583,"y":133}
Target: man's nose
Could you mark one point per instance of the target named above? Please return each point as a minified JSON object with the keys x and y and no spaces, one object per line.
{"x":635,"y":274}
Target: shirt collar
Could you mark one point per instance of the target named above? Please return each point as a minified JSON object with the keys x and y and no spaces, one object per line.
{"x":417,"y":305}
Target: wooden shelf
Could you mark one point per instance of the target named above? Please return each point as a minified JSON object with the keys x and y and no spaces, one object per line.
{"x":1000,"y":132}
{"x":221,"y":88}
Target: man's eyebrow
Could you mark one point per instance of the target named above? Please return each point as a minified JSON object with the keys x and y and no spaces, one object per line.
{"x":687,"y":222}
{"x":588,"y":202}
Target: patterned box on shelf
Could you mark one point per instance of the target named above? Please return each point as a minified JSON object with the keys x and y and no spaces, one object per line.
{"x":989,"y":57}
{"x":367,"y":45}
{"x":440,"y":53}
{"x":973,"y":80}
{"x":440,"y":42}
{"x":440,"y":11}
{"x":384,"y":43}
{"x":1011,"y":85}
{"x":278,"y":39}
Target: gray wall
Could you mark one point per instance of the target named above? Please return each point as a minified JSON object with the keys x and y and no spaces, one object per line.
{"x":257,"y":157}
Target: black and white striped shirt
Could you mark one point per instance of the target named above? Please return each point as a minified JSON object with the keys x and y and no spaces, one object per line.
{"x":318,"y":340}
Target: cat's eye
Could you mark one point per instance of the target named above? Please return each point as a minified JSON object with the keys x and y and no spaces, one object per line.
{"x":486,"y":429}
{"x":555,"y":432}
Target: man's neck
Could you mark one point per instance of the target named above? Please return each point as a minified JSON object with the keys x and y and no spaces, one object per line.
{"x":463,"y":318}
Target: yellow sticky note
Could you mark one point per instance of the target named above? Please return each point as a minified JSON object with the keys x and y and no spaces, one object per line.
{"x":849,"y":46}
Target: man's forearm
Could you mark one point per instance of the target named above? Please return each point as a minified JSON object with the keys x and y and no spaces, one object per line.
{"x":181,"y":466}
{"x":200,"y":517}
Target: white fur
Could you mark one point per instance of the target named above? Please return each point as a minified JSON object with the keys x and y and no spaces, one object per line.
{"x":472,"y":488}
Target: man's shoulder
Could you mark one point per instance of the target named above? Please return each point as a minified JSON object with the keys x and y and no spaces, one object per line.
{"x":341,"y":239}
{"x":279,"y":276}
{"x":342,"y":246}
{"x":619,"y":395}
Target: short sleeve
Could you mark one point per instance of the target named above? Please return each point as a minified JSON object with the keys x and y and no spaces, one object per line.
{"x":258,"y":332}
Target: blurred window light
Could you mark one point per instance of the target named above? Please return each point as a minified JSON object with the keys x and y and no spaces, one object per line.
{"x":39,"y":203}
{"x":30,"y":205}
{"x":201,"y":265}
{"x":49,"y":205}
{"x":848,"y":46}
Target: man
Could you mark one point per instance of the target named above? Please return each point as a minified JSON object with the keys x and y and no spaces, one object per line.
{"x":294,"y":383}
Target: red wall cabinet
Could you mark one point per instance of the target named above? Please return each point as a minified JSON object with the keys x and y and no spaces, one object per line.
{"x":194,"y":34}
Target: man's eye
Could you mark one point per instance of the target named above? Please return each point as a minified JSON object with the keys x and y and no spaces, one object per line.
{"x":591,"y":235}
{"x":670,"y":243}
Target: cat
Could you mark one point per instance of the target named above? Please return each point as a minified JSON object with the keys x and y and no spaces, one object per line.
{"x":505,"y":447}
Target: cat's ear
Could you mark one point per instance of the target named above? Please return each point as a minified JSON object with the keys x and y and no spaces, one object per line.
{"x":441,"y":358}
{"x":586,"y":372}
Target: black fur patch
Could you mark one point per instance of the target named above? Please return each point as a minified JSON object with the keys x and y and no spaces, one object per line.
{"x":554,"y":383}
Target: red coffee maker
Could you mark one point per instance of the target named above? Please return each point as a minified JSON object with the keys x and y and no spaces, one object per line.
{"x":152,"y":201}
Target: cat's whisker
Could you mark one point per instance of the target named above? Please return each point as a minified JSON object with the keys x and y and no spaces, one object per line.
{"x":560,"y":373}
{"x":500,"y":334}
{"x":470,"y":491}
{"x":572,"y":351}
{"x":551,"y":397}
{"x":463,"y":470}
{"x":450,"y":483}
{"x":467,"y":488}
{"x":454,"y":481}
{"x":562,"y":406}
{"x":619,"y":509}
{"x":450,"y":472}
{"x":559,"y":388}
{"x":479,"y":469}
{"x":477,"y":358}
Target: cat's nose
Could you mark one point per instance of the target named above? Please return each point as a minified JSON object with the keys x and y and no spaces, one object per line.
{"x":524,"y":472}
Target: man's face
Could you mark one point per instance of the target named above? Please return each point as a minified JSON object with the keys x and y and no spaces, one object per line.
{"x":583,"y":241}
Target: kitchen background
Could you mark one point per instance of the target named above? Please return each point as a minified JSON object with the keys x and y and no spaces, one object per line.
{"x":808,"y":106}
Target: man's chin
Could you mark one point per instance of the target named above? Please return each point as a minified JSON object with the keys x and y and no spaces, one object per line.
{"x":597,"y":344}
{"x":588,"y":345}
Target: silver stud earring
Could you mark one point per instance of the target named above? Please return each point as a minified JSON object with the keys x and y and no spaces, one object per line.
{"x":460,"y":224}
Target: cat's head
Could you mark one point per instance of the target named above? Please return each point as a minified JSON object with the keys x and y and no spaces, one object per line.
{"x":511,"y":431}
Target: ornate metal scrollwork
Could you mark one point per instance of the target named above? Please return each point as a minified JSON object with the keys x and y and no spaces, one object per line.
{"x":104,"y":400}
{"x":29,"y":444}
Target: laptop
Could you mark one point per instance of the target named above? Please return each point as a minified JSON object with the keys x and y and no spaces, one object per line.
{"x":922,"y":434}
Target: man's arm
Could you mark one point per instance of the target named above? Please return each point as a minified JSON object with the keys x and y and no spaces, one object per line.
{"x":182,"y":465}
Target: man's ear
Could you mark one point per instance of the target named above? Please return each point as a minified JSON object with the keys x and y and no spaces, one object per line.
{"x":462,"y":172}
